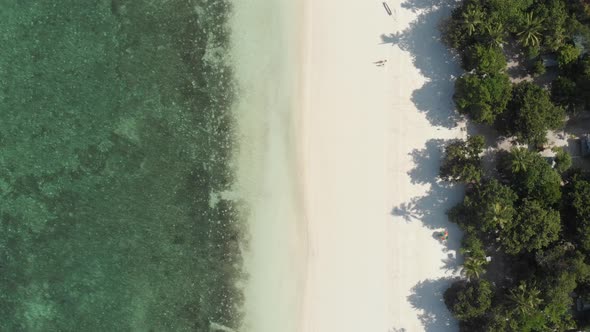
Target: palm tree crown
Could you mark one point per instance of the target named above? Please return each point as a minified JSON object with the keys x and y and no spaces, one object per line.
{"x":530,"y":34}
{"x":521,"y":159}
{"x":499,"y":212}
{"x":496,"y":34}
{"x":525,"y":299}
{"x":472,"y":17}
{"x":474,"y":267}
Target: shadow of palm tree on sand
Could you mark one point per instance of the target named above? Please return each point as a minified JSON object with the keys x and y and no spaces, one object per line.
{"x":433,"y":59}
{"x":440,"y":67}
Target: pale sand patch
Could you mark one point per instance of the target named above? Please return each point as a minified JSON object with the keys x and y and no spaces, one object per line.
{"x":371,"y":152}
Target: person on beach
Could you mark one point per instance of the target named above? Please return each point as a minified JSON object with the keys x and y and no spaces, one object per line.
{"x":380,"y":63}
{"x":444,"y":235}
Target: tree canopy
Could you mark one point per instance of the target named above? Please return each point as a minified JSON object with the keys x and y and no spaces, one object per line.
{"x":532,"y":177}
{"x":488,"y":207}
{"x":572,"y":88}
{"x":468,"y":300}
{"x":568,"y":53}
{"x":482,"y":98}
{"x":535,"y":227}
{"x":577,"y":210}
{"x":563,"y":160}
{"x":530,"y":113}
{"x":461,"y":161}
{"x":564,"y":92}
{"x":531,"y":214}
{"x":484,"y":59}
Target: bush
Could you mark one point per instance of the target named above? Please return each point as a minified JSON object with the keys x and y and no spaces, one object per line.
{"x":469,"y":300}
{"x":538,"y":68}
{"x":567,"y":54}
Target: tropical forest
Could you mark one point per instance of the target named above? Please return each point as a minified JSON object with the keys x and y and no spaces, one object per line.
{"x":524,"y":166}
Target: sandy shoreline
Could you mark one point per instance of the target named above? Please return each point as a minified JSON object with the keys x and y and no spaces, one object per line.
{"x":338,"y":162}
{"x":371,"y":157}
{"x":265,"y":54}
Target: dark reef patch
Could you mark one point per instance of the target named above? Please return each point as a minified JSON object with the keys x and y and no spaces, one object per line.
{"x":115,"y":131}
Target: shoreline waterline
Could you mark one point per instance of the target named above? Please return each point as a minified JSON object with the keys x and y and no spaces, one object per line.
{"x":265,"y":52}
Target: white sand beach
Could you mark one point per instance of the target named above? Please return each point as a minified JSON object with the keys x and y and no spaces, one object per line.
{"x":338,"y":162}
{"x":371,"y":139}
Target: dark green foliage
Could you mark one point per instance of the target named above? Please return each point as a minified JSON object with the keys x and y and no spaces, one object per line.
{"x":462,"y":161}
{"x":531,"y":52}
{"x":525,"y":302}
{"x":572,"y":88}
{"x":509,"y":12}
{"x":488,"y":207}
{"x":482,"y":98}
{"x":462,"y":27}
{"x":577,"y":210}
{"x":474,"y":267}
{"x":471,"y":246}
{"x":538,"y":68}
{"x":468,"y":300}
{"x":568,"y":53}
{"x":563,"y":160}
{"x":532,"y":177}
{"x":535,"y":227}
{"x":530,"y":113}
{"x":554,"y":257}
{"x":556,"y":23}
{"x":564,"y":92}
{"x":582,"y":79}
{"x":537,"y":238}
{"x":475,"y":258}
{"x":557,"y":292}
{"x":484,"y":59}
{"x":530,"y":30}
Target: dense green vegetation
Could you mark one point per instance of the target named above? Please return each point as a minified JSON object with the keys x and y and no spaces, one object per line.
{"x":530,"y":113}
{"x":482,"y":98}
{"x":537,"y":232}
{"x":461,"y":161}
{"x":115,"y":139}
{"x":530,"y":215}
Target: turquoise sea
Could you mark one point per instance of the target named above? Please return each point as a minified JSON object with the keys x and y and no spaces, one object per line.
{"x":116,"y":133}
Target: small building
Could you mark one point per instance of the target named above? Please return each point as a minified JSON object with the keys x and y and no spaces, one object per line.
{"x":585,"y":145}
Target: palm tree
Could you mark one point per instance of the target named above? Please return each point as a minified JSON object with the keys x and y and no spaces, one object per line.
{"x":496,"y":34}
{"x":472,"y":17}
{"x":521,"y":159}
{"x":525,"y":299}
{"x":498,"y":214}
{"x":531,"y":30}
{"x":474,"y":267}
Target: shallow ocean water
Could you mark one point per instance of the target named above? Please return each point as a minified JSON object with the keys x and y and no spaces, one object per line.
{"x":116,"y":140}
